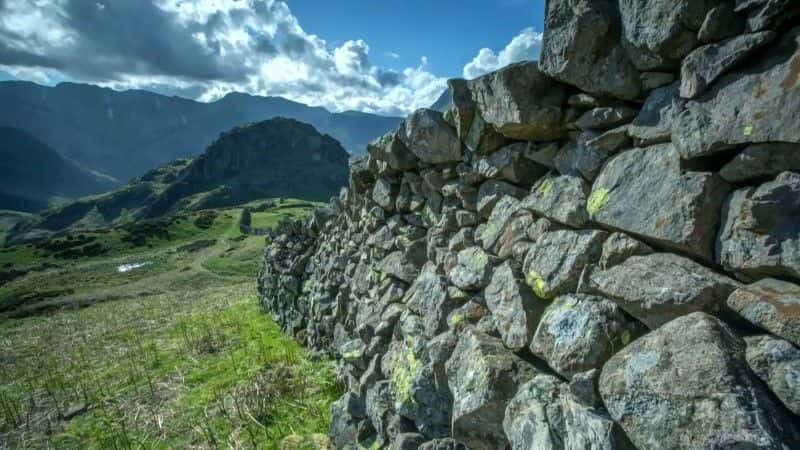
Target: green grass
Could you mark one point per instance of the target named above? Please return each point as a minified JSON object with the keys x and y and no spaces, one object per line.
{"x":176,"y":354}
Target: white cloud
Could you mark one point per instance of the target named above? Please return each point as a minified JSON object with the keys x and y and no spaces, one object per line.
{"x":203,"y":49}
{"x":525,"y":46}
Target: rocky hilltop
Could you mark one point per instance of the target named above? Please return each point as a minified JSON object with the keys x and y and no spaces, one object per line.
{"x":597,"y":251}
{"x":275,"y":158}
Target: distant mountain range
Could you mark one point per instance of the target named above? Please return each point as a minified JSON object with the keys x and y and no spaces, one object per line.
{"x":125,"y":134}
{"x":274,"y":158}
{"x":33,"y":175}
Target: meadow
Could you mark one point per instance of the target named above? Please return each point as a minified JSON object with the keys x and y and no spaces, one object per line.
{"x":150,"y":335}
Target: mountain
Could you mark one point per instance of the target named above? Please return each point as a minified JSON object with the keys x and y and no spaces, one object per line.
{"x":275,"y":158}
{"x":34,"y":175}
{"x":125,"y":134}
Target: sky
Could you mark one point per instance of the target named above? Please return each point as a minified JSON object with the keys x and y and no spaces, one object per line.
{"x":380,"y":56}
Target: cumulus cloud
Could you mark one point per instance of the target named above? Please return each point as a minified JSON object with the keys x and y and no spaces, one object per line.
{"x":203,"y":49}
{"x":525,"y":46}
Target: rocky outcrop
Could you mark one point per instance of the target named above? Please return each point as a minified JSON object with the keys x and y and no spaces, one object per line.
{"x":578,"y":256}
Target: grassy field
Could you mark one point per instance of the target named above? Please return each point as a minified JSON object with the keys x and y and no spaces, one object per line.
{"x":172,"y":354}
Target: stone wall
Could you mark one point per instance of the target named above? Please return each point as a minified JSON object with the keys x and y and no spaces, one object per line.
{"x":597,"y":251}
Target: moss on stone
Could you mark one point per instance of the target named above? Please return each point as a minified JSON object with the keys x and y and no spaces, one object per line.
{"x":537,"y":283}
{"x":406,"y":367}
{"x":545,"y":188}
{"x":597,"y":201}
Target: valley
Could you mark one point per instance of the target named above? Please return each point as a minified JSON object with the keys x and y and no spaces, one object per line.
{"x":150,"y":336}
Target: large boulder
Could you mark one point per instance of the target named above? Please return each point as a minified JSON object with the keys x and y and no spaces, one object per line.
{"x":560,"y":198}
{"x":391,"y":150}
{"x":520,"y":102}
{"x":657,"y":34}
{"x":516,"y":311}
{"x":660,"y":287}
{"x":545,"y":416}
{"x":483,"y":376}
{"x":581,"y":47}
{"x":474,"y":269}
{"x":555,"y":262}
{"x":580,"y":332}
{"x":645,"y":193}
{"x":430,"y":138}
{"x":755,"y":104}
{"x":773,"y":305}
{"x":463,"y":109}
{"x":428,"y":298}
{"x":777,"y":363}
{"x":760,"y":235}
{"x":687,"y":385}
{"x":704,"y":65}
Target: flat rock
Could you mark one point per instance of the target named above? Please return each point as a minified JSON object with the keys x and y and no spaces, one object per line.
{"x":657,"y":34}
{"x":554,"y":264}
{"x":687,"y":385}
{"x":605,"y":118}
{"x":581,"y":47}
{"x":705,"y":64}
{"x":428,"y":298}
{"x":483,"y":376}
{"x":520,"y":102}
{"x":760,"y":235}
{"x":660,"y":287}
{"x":430,"y":138}
{"x":619,"y":247}
{"x":582,"y":159}
{"x":652,"y":125}
{"x":720,"y":23}
{"x":753,"y":105}
{"x":560,"y":198}
{"x":578,"y":333}
{"x":760,"y":161}
{"x":491,"y":191}
{"x":516,"y":310}
{"x":505,"y":208}
{"x":773,"y":305}
{"x":777,"y":363}
{"x":680,"y":210}
{"x":510,"y":164}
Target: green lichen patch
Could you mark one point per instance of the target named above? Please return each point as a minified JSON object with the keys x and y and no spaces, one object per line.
{"x":406,"y":367}
{"x":545,"y":188}
{"x":537,"y":283}
{"x":597,"y":201}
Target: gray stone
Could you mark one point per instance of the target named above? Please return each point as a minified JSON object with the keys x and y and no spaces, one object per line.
{"x":403,"y":265}
{"x":583,"y":387}
{"x":474,"y":269}
{"x":483,"y":376}
{"x":753,"y":105}
{"x":515,"y":309}
{"x":491,"y":191}
{"x":520,"y":102}
{"x":687,"y":385}
{"x":581,"y":48}
{"x":720,"y":23}
{"x":385,"y":193}
{"x":560,"y":198}
{"x":514,"y":230}
{"x":760,"y":161}
{"x":619,"y":247}
{"x":704,"y":65}
{"x":582,"y":159}
{"x":544,"y":416}
{"x":443,"y":444}
{"x":652,"y":125}
{"x":660,"y":287}
{"x":773,"y":305}
{"x":505,"y":208}
{"x":611,"y":141}
{"x":430,"y":138}
{"x":658,"y":34}
{"x":510,"y":164}
{"x":463,"y":238}
{"x":583,"y":101}
{"x":777,"y":363}
{"x":463,"y":110}
{"x":645,"y":193}
{"x":554,"y":263}
{"x":466,"y":218}
{"x":428,"y":298}
{"x":605,"y":118}
{"x":390,"y":149}
{"x":760,"y":235}
{"x":408,"y":441}
{"x":543,"y":154}
{"x":482,"y":137}
{"x":653,"y":80}
{"x":348,"y":421}
{"x":767,"y":14}
{"x":581,"y":332}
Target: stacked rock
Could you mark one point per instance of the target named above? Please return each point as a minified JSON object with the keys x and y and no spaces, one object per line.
{"x":600,"y":250}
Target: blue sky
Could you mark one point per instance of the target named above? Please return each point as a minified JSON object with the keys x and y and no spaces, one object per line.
{"x":380,"y":56}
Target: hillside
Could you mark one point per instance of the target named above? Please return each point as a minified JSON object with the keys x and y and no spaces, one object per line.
{"x":275,"y":158}
{"x":34,"y":175}
{"x":125,"y":134}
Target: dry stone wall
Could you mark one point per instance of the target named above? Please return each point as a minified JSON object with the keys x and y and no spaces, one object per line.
{"x":597,"y":251}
